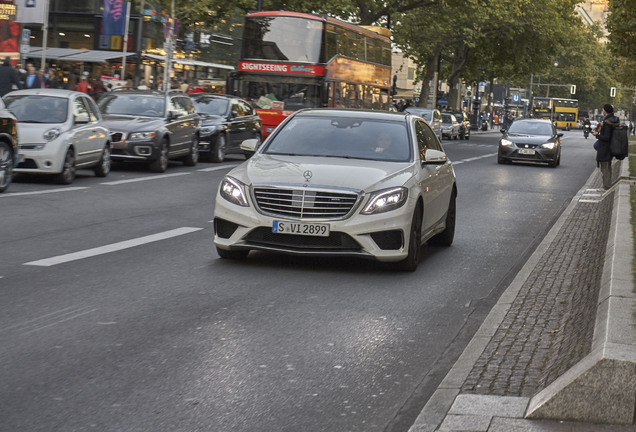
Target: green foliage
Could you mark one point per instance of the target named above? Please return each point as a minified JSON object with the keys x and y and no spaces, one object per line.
{"x":621,"y":24}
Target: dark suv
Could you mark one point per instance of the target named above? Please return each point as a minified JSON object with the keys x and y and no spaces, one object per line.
{"x":464,"y":125}
{"x":151,"y":126}
{"x":8,"y":146}
{"x":226,"y":122}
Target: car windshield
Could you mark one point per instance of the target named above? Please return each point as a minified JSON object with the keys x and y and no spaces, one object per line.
{"x":530,"y":128}
{"x":211,"y":106}
{"x":342,"y":137}
{"x":426,"y":115}
{"x":446,"y":118}
{"x":38,"y":108}
{"x":134,"y":105}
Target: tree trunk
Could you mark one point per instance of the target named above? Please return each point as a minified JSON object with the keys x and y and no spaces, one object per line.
{"x":454,"y":80}
{"x":427,"y":79}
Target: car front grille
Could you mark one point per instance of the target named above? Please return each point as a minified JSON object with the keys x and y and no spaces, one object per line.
{"x":526,"y":146}
{"x":304,"y":204}
{"x":116,"y":136}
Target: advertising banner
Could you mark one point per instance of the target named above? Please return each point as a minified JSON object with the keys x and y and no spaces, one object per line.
{"x":114,"y":20}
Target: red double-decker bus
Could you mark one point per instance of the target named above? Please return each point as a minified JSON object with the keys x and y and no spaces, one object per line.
{"x":293,"y":60}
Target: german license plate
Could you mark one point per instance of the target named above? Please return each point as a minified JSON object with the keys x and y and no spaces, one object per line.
{"x":298,"y":228}
{"x":526,"y":151}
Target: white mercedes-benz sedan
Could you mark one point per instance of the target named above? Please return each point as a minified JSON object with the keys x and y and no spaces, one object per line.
{"x":341,"y":183}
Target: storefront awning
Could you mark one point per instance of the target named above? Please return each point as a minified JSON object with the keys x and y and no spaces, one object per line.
{"x":77,"y":55}
{"x":188,"y":62}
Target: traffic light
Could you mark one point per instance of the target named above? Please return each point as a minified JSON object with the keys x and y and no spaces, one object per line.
{"x":612,"y":91}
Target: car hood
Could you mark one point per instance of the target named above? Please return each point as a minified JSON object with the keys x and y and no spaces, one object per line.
{"x":32,"y":132}
{"x":360,"y":175}
{"x":528,"y":139}
{"x":123,"y":123}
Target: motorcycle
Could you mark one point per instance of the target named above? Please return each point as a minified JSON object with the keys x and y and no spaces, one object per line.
{"x":586,"y":130}
{"x":484,"y":124}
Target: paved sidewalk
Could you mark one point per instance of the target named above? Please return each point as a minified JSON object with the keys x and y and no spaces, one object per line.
{"x":542,"y":325}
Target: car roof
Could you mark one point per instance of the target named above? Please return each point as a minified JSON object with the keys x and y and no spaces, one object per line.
{"x":46,"y":92}
{"x":533,"y":120}
{"x":212,"y":95}
{"x":357,"y":113}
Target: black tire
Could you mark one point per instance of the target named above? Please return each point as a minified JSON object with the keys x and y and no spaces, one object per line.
{"x":445,"y":238}
{"x":6,"y":166}
{"x":103,"y":167}
{"x":160,"y":164}
{"x":237,"y":255}
{"x":411,"y":262}
{"x":462,"y":135}
{"x":218,"y":149}
{"x":468,"y":136}
{"x":193,"y":157}
{"x":68,"y":169}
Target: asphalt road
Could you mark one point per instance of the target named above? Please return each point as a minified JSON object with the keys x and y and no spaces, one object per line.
{"x":116,"y":314}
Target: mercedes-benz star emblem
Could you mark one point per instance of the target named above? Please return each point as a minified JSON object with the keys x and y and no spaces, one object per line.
{"x":307,"y":175}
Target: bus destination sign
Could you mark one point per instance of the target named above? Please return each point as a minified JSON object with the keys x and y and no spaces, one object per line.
{"x":282,"y":68}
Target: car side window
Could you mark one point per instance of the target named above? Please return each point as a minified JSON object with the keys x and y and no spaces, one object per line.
{"x":247,"y":110}
{"x":237,"y":109}
{"x":176,"y":105}
{"x":187,"y":104}
{"x":79,"y":108}
{"x":426,"y":139}
{"x":93,"y":111}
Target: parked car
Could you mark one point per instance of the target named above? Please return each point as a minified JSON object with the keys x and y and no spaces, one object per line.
{"x":464,"y":124}
{"x":340,"y":182}
{"x":530,"y":140}
{"x":432,"y":116}
{"x":450,"y":126}
{"x":60,"y":132}
{"x":152,"y":127}
{"x":226,"y":122}
{"x":9,"y":155}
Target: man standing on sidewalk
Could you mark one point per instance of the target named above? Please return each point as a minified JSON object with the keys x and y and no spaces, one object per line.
{"x":602,"y":145}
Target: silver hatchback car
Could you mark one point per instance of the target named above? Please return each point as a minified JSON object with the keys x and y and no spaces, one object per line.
{"x":60,"y":131}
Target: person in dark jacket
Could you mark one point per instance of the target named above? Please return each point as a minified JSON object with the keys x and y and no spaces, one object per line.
{"x":8,"y":77}
{"x":603,"y":153}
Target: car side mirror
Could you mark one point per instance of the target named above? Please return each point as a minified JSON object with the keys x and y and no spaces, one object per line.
{"x":435,"y":157}
{"x":560,"y":134}
{"x":249,"y":145}
{"x":81,"y":118}
{"x":173,"y":115}
{"x":503,"y":131}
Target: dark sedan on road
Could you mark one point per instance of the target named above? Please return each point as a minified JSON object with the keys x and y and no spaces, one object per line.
{"x":226,"y":122}
{"x":152,"y":127}
{"x":530,"y":140}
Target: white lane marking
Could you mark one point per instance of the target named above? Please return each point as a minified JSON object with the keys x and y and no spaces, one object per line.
{"x":60,"y":259}
{"x":40,"y":192}
{"x":157,"y":177}
{"x":217,"y":168}
{"x":475,"y":158}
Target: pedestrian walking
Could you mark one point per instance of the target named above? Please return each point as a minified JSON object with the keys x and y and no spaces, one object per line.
{"x":631,"y":128}
{"x":52,"y":81}
{"x":32,"y":80}
{"x":602,"y":144}
{"x":98,"y":88}
{"x":9,"y":79}
{"x":84,"y":86}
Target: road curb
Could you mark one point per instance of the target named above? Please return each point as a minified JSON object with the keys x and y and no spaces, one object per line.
{"x":455,"y":411}
{"x":609,"y":371}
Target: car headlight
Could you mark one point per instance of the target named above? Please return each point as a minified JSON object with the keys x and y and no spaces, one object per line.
{"x":386,"y":200}
{"x":506,"y":143}
{"x":141,"y":136}
{"x":548,"y":145}
{"x":234,"y":191}
{"x":207,"y":130}
{"x":51,"y":134}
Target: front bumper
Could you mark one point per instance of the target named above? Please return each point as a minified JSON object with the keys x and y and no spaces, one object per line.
{"x":382,"y":237}
{"x":538,"y":155}
{"x":134,"y":150}
{"x":48,"y":160}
